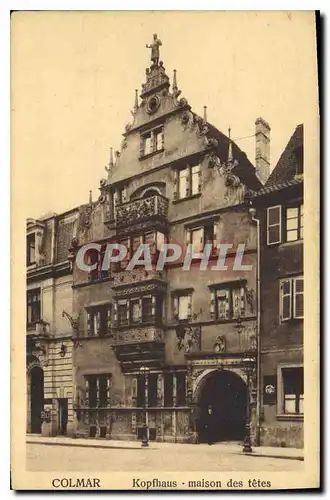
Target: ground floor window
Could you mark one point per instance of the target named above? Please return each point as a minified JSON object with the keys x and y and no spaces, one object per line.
{"x":292,"y":398}
{"x":97,"y":391}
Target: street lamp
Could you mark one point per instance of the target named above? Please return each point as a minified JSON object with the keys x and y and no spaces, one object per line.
{"x":248,"y":368}
{"x":145,"y":434}
{"x":248,"y":365}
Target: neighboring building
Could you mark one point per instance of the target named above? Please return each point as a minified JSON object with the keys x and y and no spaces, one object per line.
{"x":281,"y":212}
{"x":172,"y":342}
{"x":49,"y":335}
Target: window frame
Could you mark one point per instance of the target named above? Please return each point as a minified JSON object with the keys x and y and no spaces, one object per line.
{"x":279,"y":224}
{"x":29,"y":239}
{"x":105,"y":319}
{"x":292,"y":280}
{"x":188,"y":188}
{"x":31,"y":292}
{"x":300,"y":218}
{"x":281,"y":394}
{"x":230,"y":289}
{"x":152,"y":134}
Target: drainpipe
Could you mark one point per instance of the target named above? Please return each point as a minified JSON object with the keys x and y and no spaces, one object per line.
{"x":252,"y":211}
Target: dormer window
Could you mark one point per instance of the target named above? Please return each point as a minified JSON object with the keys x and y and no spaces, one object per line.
{"x":152,"y":142}
{"x":31,"y":249}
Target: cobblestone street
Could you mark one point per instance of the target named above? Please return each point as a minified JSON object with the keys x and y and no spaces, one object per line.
{"x":171,"y":458}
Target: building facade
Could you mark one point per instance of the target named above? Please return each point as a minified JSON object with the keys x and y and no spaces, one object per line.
{"x":48,"y":334}
{"x":123,"y":351}
{"x":280,"y":208}
{"x":158,"y":347}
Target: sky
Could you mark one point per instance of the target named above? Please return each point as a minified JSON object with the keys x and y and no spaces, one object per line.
{"x":74,"y":75}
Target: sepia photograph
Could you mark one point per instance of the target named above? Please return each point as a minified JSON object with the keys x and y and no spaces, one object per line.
{"x":165,"y":174}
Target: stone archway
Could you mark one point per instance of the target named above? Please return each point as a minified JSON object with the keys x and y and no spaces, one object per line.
{"x":35,"y":399}
{"x":226,"y":393}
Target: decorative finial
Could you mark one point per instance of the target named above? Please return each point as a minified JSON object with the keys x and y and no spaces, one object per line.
{"x":230,"y":148}
{"x":174,"y":85}
{"x":154,"y":46}
{"x":90,"y":198}
{"x":205,"y":114}
{"x":136,"y":101}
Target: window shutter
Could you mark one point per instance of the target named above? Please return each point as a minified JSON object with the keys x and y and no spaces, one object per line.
{"x":109,"y":320}
{"x":162,"y":139}
{"x":242,"y":301}
{"x":286,"y":292}
{"x":108,"y":391}
{"x":215,"y":233}
{"x":153,"y":306}
{"x":140,"y":309}
{"x":127,"y":310}
{"x":176,"y":307}
{"x":115,"y":313}
{"x":141,"y":145}
{"x":188,"y":180}
{"x":298,"y":292}
{"x":134,"y":391}
{"x":274,"y":225}
{"x":212,"y":304}
{"x":189,"y":306}
{"x":176,"y":185}
{"x":98,"y":322}
{"x":199,"y":179}
{"x":89,"y":324}
{"x":87,"y":392}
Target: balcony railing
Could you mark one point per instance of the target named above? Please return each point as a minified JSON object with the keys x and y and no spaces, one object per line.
{"x":142,"y":209}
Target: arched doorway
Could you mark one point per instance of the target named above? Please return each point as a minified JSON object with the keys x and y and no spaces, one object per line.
{"x":225,"y":392}
{"x":36,"y":398}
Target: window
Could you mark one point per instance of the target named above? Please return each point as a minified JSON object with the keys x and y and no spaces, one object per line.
{"x":122,"y":313}
{"x":31,"y":249}
{"x":274,"y":233}
{"x":228,"y":303}
{"x":147,"y":309}
{"x":168,"y":389}
{"x":291,"y":298}
{"x":33,"y":306}
{"x":152,"y":389}
{"x":294,"y":222}
{"x":198,"y":237}
{"x":135,"y":311}
{"x":293,"y":390}
{"x":92,"y":257}
{"x":182,"y":306}
{"x":99,"y":321}
{"x":180,"y":389}
{"x":141,"y":391}
{"x":187,"y":182}
{"x":98,"y":390}
{"x":152,"y":142}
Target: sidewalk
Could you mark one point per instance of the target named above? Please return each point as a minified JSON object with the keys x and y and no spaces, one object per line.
{"x":233,"y":448}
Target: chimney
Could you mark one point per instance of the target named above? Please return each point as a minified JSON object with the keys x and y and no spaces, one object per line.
{"x":262,"y":149}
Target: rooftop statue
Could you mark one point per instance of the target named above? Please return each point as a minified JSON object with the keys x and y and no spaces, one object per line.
{"x":156,"y":43}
